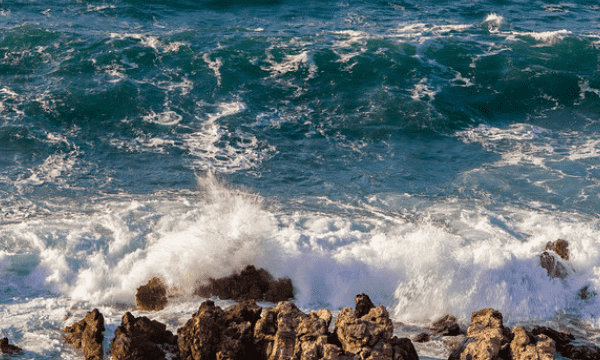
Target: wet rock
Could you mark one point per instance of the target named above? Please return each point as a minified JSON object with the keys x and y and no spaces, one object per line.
{"x":152,"y":296}
{"x":249,"y":284}
{"x":553,"y":266}
{"x":213,"y":333}
{"x":421,"y":338}
{"x":487,"y":338}
{"x":526,"y":346}
{"x":139,"y":338}
{"x":88,"y":334}
{"x":403,"y":349}
{"x":446,"y":326}
{"x":6,"y":348}
{"x":560,"y":247}
{"x":452,"y":343}
{"x":567,"y":345}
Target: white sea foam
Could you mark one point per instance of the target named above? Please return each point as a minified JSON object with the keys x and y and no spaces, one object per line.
{"x":545,"y":37}
{"x":214,"y":66}
{"x":291,"y":63}
{"x":167,"y":118}
{"x":149,"y":41}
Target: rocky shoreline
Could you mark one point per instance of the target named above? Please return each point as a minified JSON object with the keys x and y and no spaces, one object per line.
{"x":246,"y":331}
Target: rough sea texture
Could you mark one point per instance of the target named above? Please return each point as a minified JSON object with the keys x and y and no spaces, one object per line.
{"x":422,"y":152}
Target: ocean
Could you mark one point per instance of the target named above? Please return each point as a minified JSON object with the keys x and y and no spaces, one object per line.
{"x":422,"y":152}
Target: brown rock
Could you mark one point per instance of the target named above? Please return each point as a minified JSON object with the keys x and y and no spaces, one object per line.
{"x":356,"y":334}
{"x":6,"y":348}
{"x":403,"y":349}
{"x":249,"y":284}
{"x":363,"y":305}
{"x":138,"y":339}
{"x":446,"y":326}
{"x":152,"y":296}
{"x":568,"y":346}
{"x":560,"y":247}
{"x":525,"y":346}
{"x":213,"y":333}
{"x":88,"y":333}
{"x":421,"y":338}
{"x":553,"y":266}
{"x":487,"y":339}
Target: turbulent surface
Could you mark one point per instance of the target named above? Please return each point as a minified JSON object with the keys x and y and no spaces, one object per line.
{"x":422,"y":152}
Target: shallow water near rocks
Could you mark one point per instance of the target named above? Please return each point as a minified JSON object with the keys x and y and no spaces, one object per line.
{"x":420,"y":152}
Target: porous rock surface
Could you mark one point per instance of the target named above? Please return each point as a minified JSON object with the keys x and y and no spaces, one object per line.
{"x":152,"y":296}
{"x":88,"y":334}
{"x":139,"y":339}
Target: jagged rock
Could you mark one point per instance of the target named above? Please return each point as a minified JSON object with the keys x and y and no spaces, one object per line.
{"x":453,"y":342}
{"x":567,"y":345}
{"x":88,"y":333}
{"x":213,"y":333}
{"x":152,"y":296}
{"x":6,"y":348}
{"x":249,"y":284}
{"x":363,"y":305}
{"x":138,"y":339}
{"x":487,"y":338}
{"x":560,"y":247}
{"x":525,"y":346}
{"x":446,"y":326}
{"x":421,"y":338}
{"x":370,"y":336}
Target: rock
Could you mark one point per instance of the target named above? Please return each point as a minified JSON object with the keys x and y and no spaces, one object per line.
{"x":88,"y":333}
{"x":487,"y":338}
{"x":358,"y":334}
{"x":403,"y":349}
{"x":152,"y":296}
{"x":446,"y":326}
{"x":363,"y":305}
{"x":567,"y":345}
{"x":6,"y":348}
{"x":560,"y":247}
{"x":213,"y":333}
{"x":525,"y":346}
{"x":553,"y":266}
{"x":249,"y":284}
{"x":421,"y":338}
{"x":138,"y":339}
{"x":452,"y":343}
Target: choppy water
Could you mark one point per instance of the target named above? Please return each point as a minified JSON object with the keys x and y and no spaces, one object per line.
{"x":422,"y":152}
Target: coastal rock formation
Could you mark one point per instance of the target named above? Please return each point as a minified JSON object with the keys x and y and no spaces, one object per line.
{"x":567,"y":345}
{"x":139,"y":339}
{"x":552,"y":256}
{"x":525,"y":346}
{"x":152,"y":296}
{"x":286,"y":333}
{"x":250,"y":284}
{"x":6,"y":348}
{"x":487,"y":338}
{"x":222,"y":334}
{"x":88,"y":333}
{"x":370,"y":335}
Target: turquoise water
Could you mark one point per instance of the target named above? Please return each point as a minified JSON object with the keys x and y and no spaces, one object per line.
{"x":423,"y":152}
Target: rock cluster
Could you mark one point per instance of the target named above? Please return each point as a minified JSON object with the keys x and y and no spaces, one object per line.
{"x":249,"y":284}
{"x":139,"y":339}
{"x":152,"y":296}
{"x":6,"y":348}
{"x":88,"y":333}
{"x":488,"y":339}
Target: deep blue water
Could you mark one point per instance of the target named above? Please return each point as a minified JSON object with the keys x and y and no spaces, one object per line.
{"x":421,"y":151}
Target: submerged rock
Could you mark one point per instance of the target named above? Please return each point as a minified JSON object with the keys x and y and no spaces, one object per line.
{"x":139,"y":339}
{"x":152,"y":296}
{"x":6,"y":348}
{"x":88,"y":334}
{"x":250,"y":284}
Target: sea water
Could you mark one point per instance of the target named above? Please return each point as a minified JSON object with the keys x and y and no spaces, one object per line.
{"x":422,"y":152}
